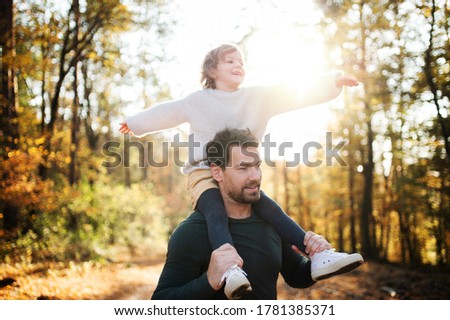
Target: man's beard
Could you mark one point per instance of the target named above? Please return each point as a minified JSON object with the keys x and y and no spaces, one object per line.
{"x":243,"y":196}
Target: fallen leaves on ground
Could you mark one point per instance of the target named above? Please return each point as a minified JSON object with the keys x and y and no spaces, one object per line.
{"x":137,"y":279}
{"x":82,"y":281}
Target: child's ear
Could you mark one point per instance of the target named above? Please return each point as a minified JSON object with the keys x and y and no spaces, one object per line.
{"x":212,"y":73}
{"x":216,"y":172}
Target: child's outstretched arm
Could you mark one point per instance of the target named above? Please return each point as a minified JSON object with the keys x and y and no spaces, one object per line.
{"x":342,"y":81}
{"x":163,"y":116}
{"x":319,"y":89}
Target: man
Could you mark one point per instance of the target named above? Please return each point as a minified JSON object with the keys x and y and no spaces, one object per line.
{"x":193,"y":271}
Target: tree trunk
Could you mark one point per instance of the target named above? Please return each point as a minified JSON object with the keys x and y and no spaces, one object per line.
{"x":275,"y":181}
{"x":368,"y":167}
{"x":48,"y":128}
{"x":351,"y":191}
{"x":92,"y":137}
{"x":75,"y":123}
{"x":366,"y":207}
{"x":9,"y":131}
{"x":74,"y":132}
{"x":441,"y":232}
{"x":144,"y":159}
{"x":384,"y":220}
{"x":8,"y":85}
{"x":428,"y":71}
{"x":300,"y":203}
{"x":341,"y":242}
{"x":286,"y":189}
{"x":72,"y":51}
{"x":126,"y":160}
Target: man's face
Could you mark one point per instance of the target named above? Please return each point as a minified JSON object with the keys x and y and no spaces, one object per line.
{"x":242,"y":176}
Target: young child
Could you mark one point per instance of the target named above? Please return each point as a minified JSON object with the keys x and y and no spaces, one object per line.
{"x":223,"y":103}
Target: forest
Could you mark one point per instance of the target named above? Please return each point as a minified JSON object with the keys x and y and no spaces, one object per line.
{"x":64,"y":203}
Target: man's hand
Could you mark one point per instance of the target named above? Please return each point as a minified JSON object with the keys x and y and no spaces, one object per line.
{"x":221,"y":260}
{"x":314,"y":243}
{"x":346,"y":81}
{"x":124,"y":129}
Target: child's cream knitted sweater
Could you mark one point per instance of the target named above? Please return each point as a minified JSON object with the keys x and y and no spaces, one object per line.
{"x":209,"y":111}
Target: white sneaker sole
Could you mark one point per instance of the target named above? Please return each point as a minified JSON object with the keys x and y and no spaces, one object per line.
{"x":237,"y":288}
{"x":342,"y":266}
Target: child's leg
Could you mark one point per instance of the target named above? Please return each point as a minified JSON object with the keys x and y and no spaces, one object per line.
{"x":324,"y":264}
{"x":288,"y":230}
{"x":210,"y":204}
{"x":207,"y":199}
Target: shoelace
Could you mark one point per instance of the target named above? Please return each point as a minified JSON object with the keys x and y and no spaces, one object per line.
{"x":231,"y":270}
{"x":333,"y":253}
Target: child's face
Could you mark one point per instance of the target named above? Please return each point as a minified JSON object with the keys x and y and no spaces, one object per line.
{"x":230,"y":72}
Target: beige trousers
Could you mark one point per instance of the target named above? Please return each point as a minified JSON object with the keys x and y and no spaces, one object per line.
{"x":198,"y":181}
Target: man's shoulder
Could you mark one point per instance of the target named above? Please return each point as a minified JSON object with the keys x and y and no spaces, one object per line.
{"x":193,"y":226}
{"x":195,"y":218}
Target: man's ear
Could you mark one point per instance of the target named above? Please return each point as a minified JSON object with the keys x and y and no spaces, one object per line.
{"x":216,"y":172}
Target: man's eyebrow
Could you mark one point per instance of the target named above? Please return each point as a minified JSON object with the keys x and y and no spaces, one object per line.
{"x":250,"y":163}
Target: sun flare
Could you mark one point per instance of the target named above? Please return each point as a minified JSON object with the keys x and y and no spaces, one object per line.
{"x":283,"y":55}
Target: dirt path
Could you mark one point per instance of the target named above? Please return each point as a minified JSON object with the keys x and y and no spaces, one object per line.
{"x":137,"y":279}
{"x":377,"y":281}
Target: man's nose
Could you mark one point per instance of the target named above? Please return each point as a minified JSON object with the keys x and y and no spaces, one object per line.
{"x":254,"y":173}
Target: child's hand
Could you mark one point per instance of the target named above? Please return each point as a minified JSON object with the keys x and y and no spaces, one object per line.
{"x":346,"y":81}
{"x":124,"y":129}
{"x":315,"y":243}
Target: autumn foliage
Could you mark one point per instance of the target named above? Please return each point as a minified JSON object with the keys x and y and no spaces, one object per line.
{"x":63,"y":69}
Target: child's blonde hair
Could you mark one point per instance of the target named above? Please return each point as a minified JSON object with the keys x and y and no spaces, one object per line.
{"x":210,"y":62}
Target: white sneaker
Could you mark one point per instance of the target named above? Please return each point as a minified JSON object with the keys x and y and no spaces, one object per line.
{"x":236,"y":283}
{"x":328,"y":263}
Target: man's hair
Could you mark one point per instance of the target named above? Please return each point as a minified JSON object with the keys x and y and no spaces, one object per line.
{"x":210,"y":62}
{"x":218,"y":149}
